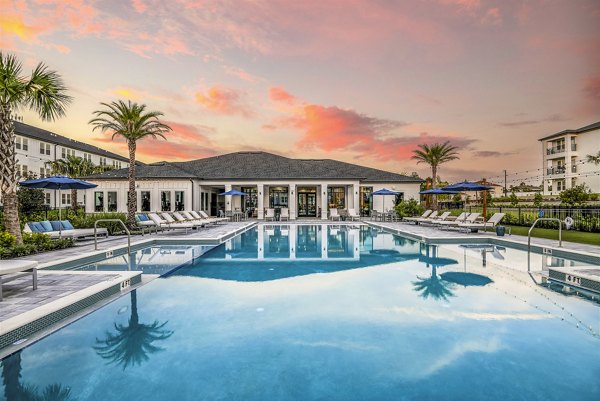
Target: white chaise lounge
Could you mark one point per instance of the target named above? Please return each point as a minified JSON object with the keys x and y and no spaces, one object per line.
{"x":14,"y":269}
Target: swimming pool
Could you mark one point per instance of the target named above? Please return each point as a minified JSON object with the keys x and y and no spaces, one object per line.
{"x":307,"y":312}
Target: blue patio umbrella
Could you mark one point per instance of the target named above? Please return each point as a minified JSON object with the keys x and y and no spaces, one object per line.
{"x":472,"y":186}
{"x":57,"y":183}
{"x":438,"y":191}
{"x":233,"y":192}
{"x":384,"y":192}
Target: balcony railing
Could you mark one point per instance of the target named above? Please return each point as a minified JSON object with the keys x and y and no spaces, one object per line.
{"x":553,"y":151}
{"x":556,"y":170}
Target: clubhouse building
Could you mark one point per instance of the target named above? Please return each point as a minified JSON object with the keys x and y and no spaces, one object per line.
{"x":307,"y":187}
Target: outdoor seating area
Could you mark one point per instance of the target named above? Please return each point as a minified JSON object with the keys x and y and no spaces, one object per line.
{"x":13,"y":269}
{"x":470,"y":222}
{"x":63,"y":229}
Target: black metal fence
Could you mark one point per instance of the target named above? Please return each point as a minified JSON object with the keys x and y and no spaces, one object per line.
{"x":585,"y":218}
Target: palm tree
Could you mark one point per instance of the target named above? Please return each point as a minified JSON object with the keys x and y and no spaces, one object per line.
{"x":593,"y":159}
{"x":132,"y":122}
{"x":132,"y":343}
{"x":44,"y":92}
{"x":74,"y":167}
{"x":434,"y":155}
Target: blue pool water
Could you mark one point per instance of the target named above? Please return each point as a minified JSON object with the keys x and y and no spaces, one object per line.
{"x":325,"y":313}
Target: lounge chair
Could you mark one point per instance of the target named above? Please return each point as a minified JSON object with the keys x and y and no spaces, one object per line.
{"x":203,"y":215}
{"x":353,"y":214}
{"x":492,"y":222}
{"x":461,"y":218}
{"x":172,"y":221}
{"x":333,"y":214}
{"x":424,"y":215}
{"x":437,"y":219}
{"x":431,"y":217}
{"x":181,"y":219}
{"x":284,"y":214}
{"x":161,"y":222}
{"x":53,"y":229}
{"x":471,"y":219}
{"x":15,"y":269}
{"x":143,"y":222}
{"x":270,"y":215}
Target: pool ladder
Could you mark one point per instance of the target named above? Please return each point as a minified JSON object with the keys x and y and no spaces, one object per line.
{"x":529,"y":236}
{"x":113,"y":221}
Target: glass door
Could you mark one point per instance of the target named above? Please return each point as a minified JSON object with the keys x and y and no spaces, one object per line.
{"x":307,"y":203}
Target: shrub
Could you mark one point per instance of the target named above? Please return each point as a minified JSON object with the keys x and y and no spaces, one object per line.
{"x":514,"y":199}
{"x":32,"y":243}
{"x":88,"y":221}
{"x":538,"y":199}
{"x":575,"y":196}
{"x":7,"y":240}
{"x":409,"y":208}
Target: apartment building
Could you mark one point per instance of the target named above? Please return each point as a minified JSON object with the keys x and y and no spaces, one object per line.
{"x":564,"y":159}
{"x":35,"y":147}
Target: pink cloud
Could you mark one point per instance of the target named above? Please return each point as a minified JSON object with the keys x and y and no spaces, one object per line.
{"x":240,"y":73}
{"x":139,"y":6}
{"x":331,"y":129}
{"x":223,"y":100}
{"x":591,"y":88}
{"x":492,"y":17}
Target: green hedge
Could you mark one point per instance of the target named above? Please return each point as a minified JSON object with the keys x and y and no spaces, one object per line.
{"x":32,"y":243}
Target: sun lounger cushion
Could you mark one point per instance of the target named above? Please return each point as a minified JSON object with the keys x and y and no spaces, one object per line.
{"x":143,"y":217}
{"x":47,"y":226}
{"x":66,"y":225}
{"x":55,"y":225}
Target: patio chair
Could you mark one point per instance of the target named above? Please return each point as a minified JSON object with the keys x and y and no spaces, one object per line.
{"x":143,"y":222}
{"x":163,"y":222}
{"x":461,"y":218}
{"x":14,"y":269}
{"x":424,"y":215}
{"x":333,"y":214}
{"x":270,"y":215}
{"x":353,"y":214}
{"x":203,"y":215}
{"x":284,"y":214}
{"x":181,"y":219}
{"x":471,"y":219}
{"x":475,"y":227}
{"x":437,"y":219}
{"x":431,"y":217}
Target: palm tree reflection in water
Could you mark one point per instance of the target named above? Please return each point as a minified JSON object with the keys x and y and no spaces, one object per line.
{"x":14,"y":390}
{"x":132,"y":344}
{"x":434,"y":286}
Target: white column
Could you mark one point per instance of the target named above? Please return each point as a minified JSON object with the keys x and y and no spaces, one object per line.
{"x":323,"y":201}
{"x":228,"y":205}
{"x":292,"y":197}
{"x":324,"y":242}
{"x":261,"y":205}
{"x":356,"y":197}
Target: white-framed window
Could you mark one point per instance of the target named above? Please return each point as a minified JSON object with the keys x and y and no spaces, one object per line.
{"x":116,"y":164}
{"x":87,"y":156}
{"x":103,"y":161}
{"x":45,"y":149}
{"x":65,"y":199}
{"x":21,"y":143}
{"x":560,"y":185}
{"x":67,"y":152}
{"x":47,"y":198}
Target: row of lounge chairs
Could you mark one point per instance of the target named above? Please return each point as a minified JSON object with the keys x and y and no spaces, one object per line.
{"x":176,"y":220}
{"x":465,"y":221}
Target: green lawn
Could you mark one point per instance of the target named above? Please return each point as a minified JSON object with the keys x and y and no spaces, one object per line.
{"x":571,"y":236}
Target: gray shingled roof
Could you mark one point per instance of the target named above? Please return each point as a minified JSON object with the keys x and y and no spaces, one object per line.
{"x":259,"y":166}
{"x":50,"y":137}
{"x":581,"y":130}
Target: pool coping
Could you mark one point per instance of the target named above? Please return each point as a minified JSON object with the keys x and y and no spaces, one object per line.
{"x":583,"y":256}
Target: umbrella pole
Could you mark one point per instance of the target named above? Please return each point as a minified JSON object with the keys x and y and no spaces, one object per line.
{"x":59,"y":216}
{"x":484,"y":206}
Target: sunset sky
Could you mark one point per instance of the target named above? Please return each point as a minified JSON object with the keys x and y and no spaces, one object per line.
{"x":362,"y":81}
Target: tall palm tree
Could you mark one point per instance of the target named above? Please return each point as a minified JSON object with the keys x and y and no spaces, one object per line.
{"x":131,"y":344}
{"x":435,"y":155}
{"x":43,"y":92}
{"x":74,"y":167}
{"x":132,"y":122}
{"x":593,"y":158}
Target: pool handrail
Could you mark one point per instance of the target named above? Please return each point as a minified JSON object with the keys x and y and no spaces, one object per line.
{"x":529,"y":236}
{"x":112,"y":220}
